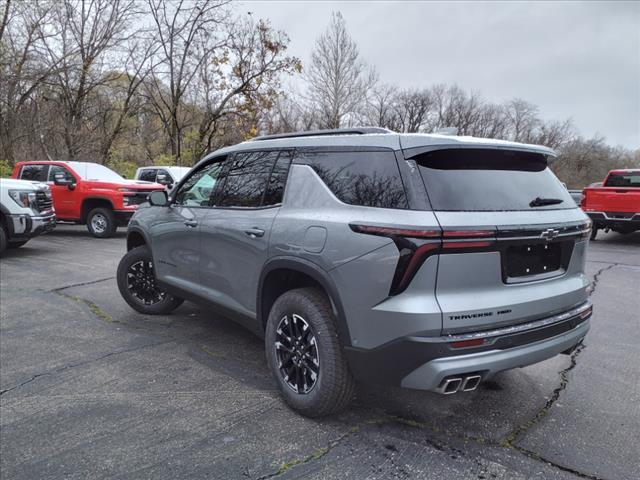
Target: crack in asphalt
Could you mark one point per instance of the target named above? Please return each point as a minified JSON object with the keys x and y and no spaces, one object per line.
{"x":80,"y":364}
{"x":81,"y":284}
{"x":318,"y":453}
{"x":509,"y":441}
{"x":540,"y":458}
{"x":513,"y":436}
{"x":596,"y":277}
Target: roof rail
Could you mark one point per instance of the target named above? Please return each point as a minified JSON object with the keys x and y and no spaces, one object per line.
{"x":316,"y":133}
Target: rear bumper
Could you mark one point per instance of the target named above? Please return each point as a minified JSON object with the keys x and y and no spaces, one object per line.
{"x":615,"y":220}
{"x":424,"y":362}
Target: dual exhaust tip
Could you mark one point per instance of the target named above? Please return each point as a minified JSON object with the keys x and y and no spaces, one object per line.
{"x":455,"y":384}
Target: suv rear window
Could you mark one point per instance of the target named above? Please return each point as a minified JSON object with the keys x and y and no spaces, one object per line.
{"x":369,"y":179}
{"x":627,"y":179}
{"x":490,"y":180}
{"x":36,"y":173}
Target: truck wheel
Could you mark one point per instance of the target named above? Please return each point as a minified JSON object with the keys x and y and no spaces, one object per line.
{"x":138,"y":286}
{"x":101,"y":223}
{"x":17,"y":244}
{"x":3,"y":239}
{"x":594,"y":232}
{"x":305,"y":354}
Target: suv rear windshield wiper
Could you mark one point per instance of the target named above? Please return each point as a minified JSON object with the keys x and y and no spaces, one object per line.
{"x":541,"y":202}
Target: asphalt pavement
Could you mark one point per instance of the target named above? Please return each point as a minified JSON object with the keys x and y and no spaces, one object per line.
{"x":91,"y":389}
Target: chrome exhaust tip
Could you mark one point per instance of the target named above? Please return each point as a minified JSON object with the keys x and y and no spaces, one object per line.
{"x":470,"y":383}
{"x":450,"y":385}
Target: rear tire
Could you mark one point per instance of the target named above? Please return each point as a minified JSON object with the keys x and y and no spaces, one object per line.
{"x":305,"y":354}
{"x":101,"y":223}
{"x":594,"y":232}
{"x":138,"y":286}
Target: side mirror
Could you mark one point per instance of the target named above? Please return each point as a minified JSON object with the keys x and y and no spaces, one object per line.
{"x":63,"y":180}
{"x":162,"y":179}
{"x":158,"y":198}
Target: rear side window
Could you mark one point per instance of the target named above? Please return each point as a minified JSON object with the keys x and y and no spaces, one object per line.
{"x":254,"y":179}
{"x":36,"y":173}
{"x":491,"y":180}
{"x":369,"y":179}
{"x":148,"y":175}
{"x":277,"y":180}
{"x":626,"y":179}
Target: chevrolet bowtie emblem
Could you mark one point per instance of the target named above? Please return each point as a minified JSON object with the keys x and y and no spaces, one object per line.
{"x":549,"y":234}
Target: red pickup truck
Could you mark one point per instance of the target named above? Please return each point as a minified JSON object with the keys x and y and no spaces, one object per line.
{"x":616,"y":204}
{"x":88,"y":193}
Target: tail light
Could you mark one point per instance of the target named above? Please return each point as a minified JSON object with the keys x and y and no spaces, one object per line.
{"x":416,"y":245}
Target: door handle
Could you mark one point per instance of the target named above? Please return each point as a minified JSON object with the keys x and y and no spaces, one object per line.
{"x":254,"y":232}
{"x":191,"y":223}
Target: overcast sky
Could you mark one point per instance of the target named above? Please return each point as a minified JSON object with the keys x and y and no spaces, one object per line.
{"x":572,"y":59}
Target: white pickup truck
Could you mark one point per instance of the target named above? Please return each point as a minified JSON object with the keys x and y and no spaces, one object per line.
{"x":26,"y":210}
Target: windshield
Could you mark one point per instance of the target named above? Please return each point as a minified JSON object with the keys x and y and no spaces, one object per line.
{"x":95,"y":171}
{"x":626,"y":179}
{"x":491,"y":180}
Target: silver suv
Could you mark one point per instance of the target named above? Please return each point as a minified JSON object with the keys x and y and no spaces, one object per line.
{"x":424,"y":261}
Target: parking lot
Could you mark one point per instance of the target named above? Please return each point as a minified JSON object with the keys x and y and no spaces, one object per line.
{"x":91,"y":389}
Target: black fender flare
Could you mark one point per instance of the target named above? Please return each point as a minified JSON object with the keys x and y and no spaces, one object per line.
{"x":140,"y":232}
{"x":317,"y":273}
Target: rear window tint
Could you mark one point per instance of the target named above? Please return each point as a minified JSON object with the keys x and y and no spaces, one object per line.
{"x":36,"y":173}
{"x":630,"y":179}
{"x":490,"y":180}
{"x":369,"y":179}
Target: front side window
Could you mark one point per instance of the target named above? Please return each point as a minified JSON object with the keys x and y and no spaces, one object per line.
{"x":35,"y":173}
{"x":148,"y":175}
{"x":164,"y":177}
{"x":369,"y":179}
{"x":198,"y":189}
{"x":57,"y":170}
{"x":246,"y":178}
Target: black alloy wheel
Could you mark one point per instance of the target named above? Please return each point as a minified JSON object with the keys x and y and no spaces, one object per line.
{"x":297,"y":354}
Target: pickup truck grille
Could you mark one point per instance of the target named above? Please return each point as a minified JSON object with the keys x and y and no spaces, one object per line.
{"x":138,"y":197}
{"x":44,"y":201}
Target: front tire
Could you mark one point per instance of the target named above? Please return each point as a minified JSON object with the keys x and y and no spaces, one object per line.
{"x":3,"y":239}
{"x":138,"y":286}
{"x":594,"y":232}
{"x":101,"y":223}
{"x":305,"y":354}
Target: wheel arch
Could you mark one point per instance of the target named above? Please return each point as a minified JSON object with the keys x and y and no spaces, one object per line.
{"x":90,"y":203}
{"x":282,"y":274}
{"x":136,"y":238}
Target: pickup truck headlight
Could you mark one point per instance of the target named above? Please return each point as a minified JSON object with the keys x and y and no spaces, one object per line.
{"x":24,"y":198}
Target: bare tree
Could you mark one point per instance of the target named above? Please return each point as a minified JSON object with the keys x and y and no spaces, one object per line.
{"x":22,"y":69}
{"x":522,"y":118}
{"x":381,"y":107}
{"x":338,"y":79}
{"x":244,"y":80}
{"x":89,"y":32}
{"x":412,"y":109}
{"x":188,"y":35}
